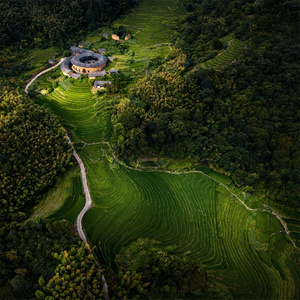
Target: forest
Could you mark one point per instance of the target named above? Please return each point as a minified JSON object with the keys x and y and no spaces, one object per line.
{"x":44,"y":23}
{"x":240,"y":119}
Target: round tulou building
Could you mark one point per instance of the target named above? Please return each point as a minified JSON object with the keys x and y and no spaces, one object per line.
{"x":88,"y":62}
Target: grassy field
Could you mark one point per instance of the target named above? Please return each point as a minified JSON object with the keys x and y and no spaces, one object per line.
{"x":194,"y":212}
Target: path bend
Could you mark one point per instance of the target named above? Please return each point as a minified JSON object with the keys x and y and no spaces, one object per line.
{"x":41,"y":73}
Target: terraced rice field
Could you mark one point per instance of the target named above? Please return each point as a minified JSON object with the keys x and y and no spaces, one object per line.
{"x":192,"y":213}
{"x":235,"y":47}
{"x":64,"y":199}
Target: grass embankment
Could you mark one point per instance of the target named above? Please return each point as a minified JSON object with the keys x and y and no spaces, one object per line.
{"x":243,"y":249}
{"x":65,"y":200}
{"x":235,"y":47}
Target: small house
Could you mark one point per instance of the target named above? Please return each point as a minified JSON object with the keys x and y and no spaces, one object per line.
{"x":113,"y":71}
{"x":52,"y":61}
{"x":75,"y":50}
{"x":105,"y":35}
{"x":98,"y":74}
{"x":101,"y":84}
{"x":80,"y":45}
{"x":101,"y":51}
{"x":115,"y":37}
{"x":110,"y":58}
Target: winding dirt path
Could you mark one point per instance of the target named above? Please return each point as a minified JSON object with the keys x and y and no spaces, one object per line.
{"x":88,"y":199}
{"x":41,"y":73}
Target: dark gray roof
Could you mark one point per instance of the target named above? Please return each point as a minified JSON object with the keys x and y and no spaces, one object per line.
{"x":80,"y":44}
{"x":65,"y":66}
{"x":113,"y":71}
{"x":52,"y":61}
{"x":105,"y":35}
{"x":101,"y":83}
{"x":102,"y":50}
{"x":102,"y":73}
{"x":100,"y":60}
{"x":75,"y":75}
{"x":74,"y":50}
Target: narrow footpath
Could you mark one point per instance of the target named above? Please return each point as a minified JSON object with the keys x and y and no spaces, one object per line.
{"x":88,"y":199}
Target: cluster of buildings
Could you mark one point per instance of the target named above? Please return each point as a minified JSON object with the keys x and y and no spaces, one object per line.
{"x":85,"y":61}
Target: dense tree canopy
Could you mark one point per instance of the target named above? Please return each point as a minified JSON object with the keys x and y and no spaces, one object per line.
{"x":46,"y":259}
{"x":148,"y":271}
{"x":44,"y":22}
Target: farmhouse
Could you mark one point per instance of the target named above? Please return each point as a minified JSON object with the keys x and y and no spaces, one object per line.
{"x":85,"y":63}
{"x":101,"y":84}
{"x":75,"y":50}
{"x":102,"y":51}
{"x":52,"y":61}
{"x":98,"y":74}
{"x":113,"y":71}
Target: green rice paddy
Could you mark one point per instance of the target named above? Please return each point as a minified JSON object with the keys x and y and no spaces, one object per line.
{"x":193,"y":212}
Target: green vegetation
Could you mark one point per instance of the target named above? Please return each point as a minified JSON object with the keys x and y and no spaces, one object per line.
{"x":225,"y":57}
{"x":39,"y":252}
{"x":147,"y":270}
{"x":76,"y":276}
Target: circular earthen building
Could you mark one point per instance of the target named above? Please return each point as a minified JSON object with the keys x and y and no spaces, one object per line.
{"x":89,"y":62}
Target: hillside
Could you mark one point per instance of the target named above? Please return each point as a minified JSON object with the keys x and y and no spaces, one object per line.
{"x":185,"y":153}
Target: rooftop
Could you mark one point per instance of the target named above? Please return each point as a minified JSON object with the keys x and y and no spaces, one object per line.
{"x":102,"y":73}
{"x":65,"y":66}
{"x":75,"y":75}
{"x":113,"y":71}
{"x":98,"y":83}
{"x":76,"y":50}
{"x":88,"y":60}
